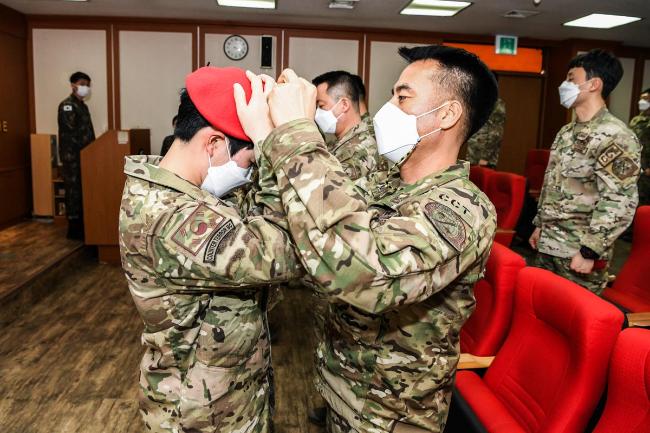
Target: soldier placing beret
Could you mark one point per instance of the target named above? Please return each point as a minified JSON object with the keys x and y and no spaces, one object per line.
{"x":398,"y":262}
{"x":198,"y":272}
{"x":589,"y":194}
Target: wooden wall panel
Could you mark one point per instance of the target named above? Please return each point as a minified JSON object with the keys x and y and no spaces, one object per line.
{"x":15,"y":184}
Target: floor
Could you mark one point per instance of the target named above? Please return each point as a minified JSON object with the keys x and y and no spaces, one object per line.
{"x":70,"y":365}
{"x":29,"y":248}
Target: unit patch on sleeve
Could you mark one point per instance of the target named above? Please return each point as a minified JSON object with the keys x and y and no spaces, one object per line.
{"x":448,"y":224}
{"x":609,"y":155}
{"x":67,"y":108}
{"x":217,"y":237}
{"x":195,"y":231}
{"x":623,"y":167}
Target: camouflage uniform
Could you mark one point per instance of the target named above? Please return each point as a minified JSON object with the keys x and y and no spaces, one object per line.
{"x":198,"y":275}
{"x":486,"y":142}
{"x":398,"y":264}
{"x":641,"y":127}
{"x":75,"y":132}
{"x":589,"y":194}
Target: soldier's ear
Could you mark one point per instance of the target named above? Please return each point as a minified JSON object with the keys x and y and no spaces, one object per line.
{"x":451,"y":114}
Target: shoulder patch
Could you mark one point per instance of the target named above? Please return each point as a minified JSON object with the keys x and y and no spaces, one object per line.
{"x":610,"y":154}
{"x":624,"y":167}
{"x":448,"y":224}
{"x":216,"y":238}
{"x":195,"y":231}
{"x":67,"y":108}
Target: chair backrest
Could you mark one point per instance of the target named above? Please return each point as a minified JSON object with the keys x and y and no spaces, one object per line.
{"x":628,"y":389}
{"x":480,"y":175}
{"x":484,"y":331}
{"x":632,"y":278}
{"x":536,"y":163}
{"x":551,"y":370}
{"x":506,"y":191}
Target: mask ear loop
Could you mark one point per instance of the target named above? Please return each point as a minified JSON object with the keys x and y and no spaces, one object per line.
{"x":331,"y":110}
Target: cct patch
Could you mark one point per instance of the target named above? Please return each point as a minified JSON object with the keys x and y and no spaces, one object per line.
{"x":197,"y":228}
{"x":448,"y":224}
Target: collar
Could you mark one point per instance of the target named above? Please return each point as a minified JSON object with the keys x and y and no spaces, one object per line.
{"x":597,"y":117}
{"x":357,"y":129}
{"x":146,"y":167}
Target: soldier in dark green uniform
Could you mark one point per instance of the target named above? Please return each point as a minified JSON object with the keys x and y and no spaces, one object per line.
{"x":75,"y":132}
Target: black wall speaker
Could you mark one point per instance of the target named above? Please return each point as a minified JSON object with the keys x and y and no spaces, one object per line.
{"x":267,"y":52}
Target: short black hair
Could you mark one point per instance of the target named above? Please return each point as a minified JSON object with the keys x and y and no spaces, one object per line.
{"x":601,"y":64}
{"x":339,"y":84}
{"x":465,"y":76}
{"x":189,"y":121}
{"x":79,"y":76}
{"x":361,"y":88}
{"x":646,"y":91}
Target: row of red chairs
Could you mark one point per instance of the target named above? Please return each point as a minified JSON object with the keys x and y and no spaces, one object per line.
{"x":506,"y":190}
{"x":550,"y":371}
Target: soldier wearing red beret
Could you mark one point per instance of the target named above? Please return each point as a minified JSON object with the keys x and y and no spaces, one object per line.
{"x":199,"y":273}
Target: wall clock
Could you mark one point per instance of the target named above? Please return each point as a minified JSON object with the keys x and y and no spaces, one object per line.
{"x":235,"y":47}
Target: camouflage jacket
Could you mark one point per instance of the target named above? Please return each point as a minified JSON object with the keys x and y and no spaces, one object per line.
{"x":486,"y":142}
{"x":197,"y":273}
{"x":398,"y":262}
{"x":589,"y":194}
{"x":357,"y":151}
{"x":75,"y":127}
{"x":640,"y":125}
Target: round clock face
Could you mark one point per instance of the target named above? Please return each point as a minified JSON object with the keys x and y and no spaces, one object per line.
{"x":235,"y":47}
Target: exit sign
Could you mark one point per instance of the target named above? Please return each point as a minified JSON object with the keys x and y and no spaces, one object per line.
{"x":506,"y":45}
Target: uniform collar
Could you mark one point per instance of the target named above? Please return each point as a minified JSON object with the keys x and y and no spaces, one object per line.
{"x":146,"y":167}
{"x":597,"y":117}
{"x":357,"y":129}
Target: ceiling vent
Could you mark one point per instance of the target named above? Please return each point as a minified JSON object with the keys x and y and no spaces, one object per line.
{"x":343,"y":4}
{"x":518,"y":13}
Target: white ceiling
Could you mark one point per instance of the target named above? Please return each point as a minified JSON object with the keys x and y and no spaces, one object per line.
{"x":483,"y":17}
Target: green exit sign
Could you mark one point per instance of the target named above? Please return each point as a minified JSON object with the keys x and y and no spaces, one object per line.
{"x":506,"y":45}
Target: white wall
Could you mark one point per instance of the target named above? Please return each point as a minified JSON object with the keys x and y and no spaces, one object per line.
{"x":215,"y":55}
{"x":386,"y":65}
{"x":310,"y":57}
{"x":621,"y":98}
{"x":59,"y":53}
{"x":153,"y":67}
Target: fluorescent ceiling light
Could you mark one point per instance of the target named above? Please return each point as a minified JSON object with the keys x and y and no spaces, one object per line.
{"x":601,"y":21}
{"x":438,"y":8}
{"x":78,"y":1}
{"x":258,"y":4}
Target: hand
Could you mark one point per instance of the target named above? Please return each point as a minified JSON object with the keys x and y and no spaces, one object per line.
{"x":581,"y":265}
{"x":244,"y":158}
{"x":534,"y":238}
{"x":647,"y":171}
{"x":482,"y":162}
{"x":293,"y":98}
{"x":254,"y":115}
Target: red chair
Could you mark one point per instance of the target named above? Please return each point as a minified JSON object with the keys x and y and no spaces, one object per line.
{"x":536,"y":163}
{"x":631,"y":289}
{"x":506,"y":191}
{"x":628,"y":394}
{"x":484,"y":331}
{"x":550,"y":372}
{"x":479,"y":176}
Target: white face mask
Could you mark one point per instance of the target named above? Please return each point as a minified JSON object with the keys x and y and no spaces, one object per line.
{"x":83,"y":91}
{"x":569,"y":93}
{"x":224,"y":178}
{"x":643,"y":104}
{"x":397,"y":132}
{"x":326,"y":120}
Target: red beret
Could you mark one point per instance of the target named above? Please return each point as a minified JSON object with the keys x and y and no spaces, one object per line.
{"x":211,"y":91}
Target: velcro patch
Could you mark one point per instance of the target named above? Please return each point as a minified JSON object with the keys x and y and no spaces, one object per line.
{"x":67,"y":108}
{"x":624,"y":167}
{"x":196,"y":229}
{"x":609,"y":155}
{"x":218,"y":235}
{"x":448,"y":224}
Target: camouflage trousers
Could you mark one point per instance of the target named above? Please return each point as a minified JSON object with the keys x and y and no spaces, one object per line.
{"x":594,"y":281}
{"x":71,"y":173}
